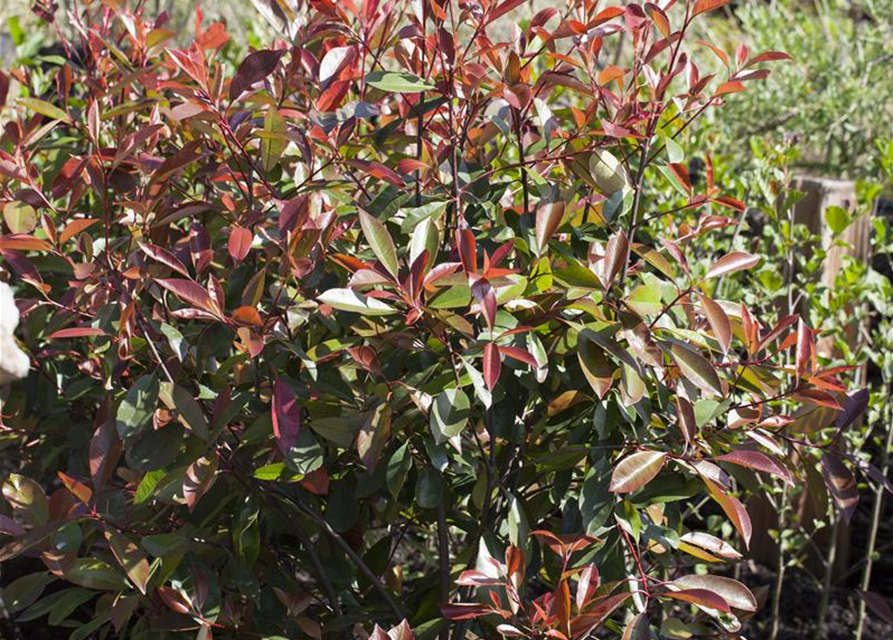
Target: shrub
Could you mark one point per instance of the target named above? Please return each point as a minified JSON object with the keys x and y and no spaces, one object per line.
{"x":378,"y":328}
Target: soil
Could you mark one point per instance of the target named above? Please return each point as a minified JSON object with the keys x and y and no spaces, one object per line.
{"x":800,"y":598}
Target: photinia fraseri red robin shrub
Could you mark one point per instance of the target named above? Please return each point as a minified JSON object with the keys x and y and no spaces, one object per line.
{"x":373,"y":328}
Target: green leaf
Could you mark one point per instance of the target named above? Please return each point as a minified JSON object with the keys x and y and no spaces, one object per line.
{"x":477,"y":381}
{"x":187,"y":408}
{"x":374,"y":435}
{"x":381,"y":242}
{"x":146,"y":488}
{"x":637,"y":470}
{"x":277,"y":471}
{"x":837,"y":218}
{"x":415,"y":215}
{"x":60,"y":605}
{"x":429,"y":491}
{"x":449,"y":414}
{"x":44,"y":108}
{"x":397,"y":82}
{"x":607,"y":172}
{"x":24,"y":591}
{"x":25,"y":494}
{"x":596,"y":501}
{"x":96,"y":574}
{"x":274,"y":142}
{"x":348,"y":300}
{"x":84,"y":632}
{"x":20,"y":217}
{"x":398,"y":468}
{"x":165,"y":545}
{"x":305,"y":455}
{"x":646,"y":298}
{"x":675,"y":154}
{"x":518,"y":527}
{"x":595,"y":365}
{"x":136,"y":410}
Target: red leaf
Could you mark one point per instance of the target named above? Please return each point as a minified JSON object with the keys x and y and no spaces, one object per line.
{"x":191,"y":292}
{"x":20,"y":242}
{"x":76,"y":332}
{"x":878,"y":605}
{"x":175,"y":599}
{"x":492,"y":365}
{"x":729,"y":202}
{"x":589,"y":581}
{"x":702,"y":6}
{"x":165,"y":257}
{"x":486,"y":298}
{"x":105,"y":451}
{"x":504,"y":8}
{"x":76,"y":226}
{"x":240,"y":240}
{"x":286,"y":416}
{"x":317,"y":482}
{"x":464,"y":611}
{"x":409,"y":165}
{"x":519,"y":354}
{"x":81,"y":491}
{"x":681,"y":173}
{"x":685,"y":419}
{"x":733,"y":509}
{"x":377,"y":170}
{"x":733,"y":86}
{"x":548,"y":216}
{"x":805,"y":353}
{"x":587,"y":623}
{"x":768,"y":56}
{"x":817,"y":397}
{"x":855,"y":405}
{"x":467,"y":250}
{"x":701,"y":597}
{"x":253,"y":69}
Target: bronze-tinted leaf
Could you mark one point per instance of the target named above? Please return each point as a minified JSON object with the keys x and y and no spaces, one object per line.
{"x":130,"y":557}
{"x":758,"y":461}
{"x":733,"y":592}
{"x":616,"y":253}
{"x":548,"y":218}
{"x":637,"y":470}
{"x":731,"y":262}
{"x":697,"y":369}
{"x":719,"y":321}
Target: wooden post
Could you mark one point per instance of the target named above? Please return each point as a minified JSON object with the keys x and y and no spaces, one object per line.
{"x":822,"y":193}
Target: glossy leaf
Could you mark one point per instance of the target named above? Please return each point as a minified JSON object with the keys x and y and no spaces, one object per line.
{"x":637,"y":470}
